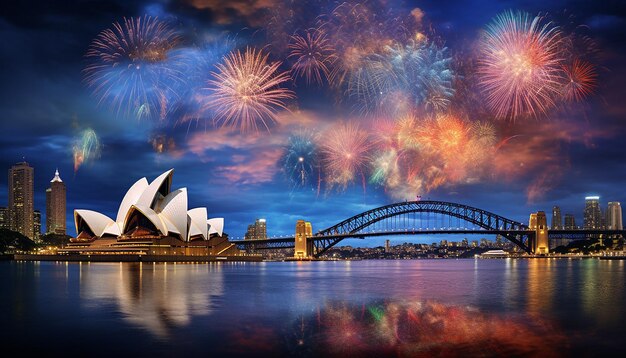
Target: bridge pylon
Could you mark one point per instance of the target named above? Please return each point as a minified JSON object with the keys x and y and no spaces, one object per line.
{"x":303,"y":246}
{"x":539,"y":223}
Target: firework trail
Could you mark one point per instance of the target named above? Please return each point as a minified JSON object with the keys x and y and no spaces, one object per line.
{"x":345,"y":153}
{"x":86,"y":148}
{"x":314,"y":56}
{"x":245,"y":91}
{"x":134,"y":67}
{"x":301,"y":159}
{"x":520,"y":65}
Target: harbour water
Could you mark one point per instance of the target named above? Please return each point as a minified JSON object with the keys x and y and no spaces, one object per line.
{"x":486,"y":307}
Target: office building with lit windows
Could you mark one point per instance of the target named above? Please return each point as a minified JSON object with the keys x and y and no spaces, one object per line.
{"x":21,"y":199}
{"x":592,"y":218}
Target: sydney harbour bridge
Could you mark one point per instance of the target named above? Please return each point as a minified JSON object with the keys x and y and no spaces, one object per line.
{"x":426,"y":217}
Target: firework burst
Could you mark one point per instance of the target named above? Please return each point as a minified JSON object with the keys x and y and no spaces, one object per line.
{"x":520,"y":65}
{"x":358,"y":32}
{"x":580,"y":80}
{"x":314,"y":56}
{"x":134,"y":67}
{"x":345,"y":153}
{"x":246,"y":92}
{"x":86,"y":148}
{"x":425,"y":71}
{"x":300,"y":159}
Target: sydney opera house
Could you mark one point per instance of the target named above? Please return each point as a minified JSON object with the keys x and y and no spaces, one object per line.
{"x":154,"y":223}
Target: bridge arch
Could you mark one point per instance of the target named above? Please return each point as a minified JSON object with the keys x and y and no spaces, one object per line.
{"x":327,"y":238}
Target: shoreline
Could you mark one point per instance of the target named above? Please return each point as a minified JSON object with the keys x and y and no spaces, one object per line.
{"x":135,"y":258}
{"x":219,"y":258}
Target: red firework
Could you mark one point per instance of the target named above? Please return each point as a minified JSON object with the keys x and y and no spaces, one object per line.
{"x":313,"y":54}
{"x":580,"y":80}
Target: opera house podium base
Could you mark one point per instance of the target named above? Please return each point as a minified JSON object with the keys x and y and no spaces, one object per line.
{"x":160,"y":249}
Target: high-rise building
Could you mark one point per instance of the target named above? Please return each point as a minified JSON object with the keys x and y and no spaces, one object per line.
{"x":593,"y":215}
{"x":387,"y":248}
{"x":614,"y":216}
{"x":21,"y":178}
{"x":570,"y":222}
{"x":257,"y":231}
{"x":4,"y":218}
{"x":557,"y":223}
{"x":37,"y":225}
{"x":55,"y":205}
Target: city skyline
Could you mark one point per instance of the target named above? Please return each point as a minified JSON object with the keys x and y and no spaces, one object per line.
{"x":555,"y":160}
{"x":258,"y":229}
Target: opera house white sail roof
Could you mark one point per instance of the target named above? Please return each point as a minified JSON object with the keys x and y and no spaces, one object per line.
{"x":150,"y":210}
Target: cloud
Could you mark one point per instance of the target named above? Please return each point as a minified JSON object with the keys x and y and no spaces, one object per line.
{"x":253,"y":12}
{"x":256,"y":169}
{"x":538,"y":154}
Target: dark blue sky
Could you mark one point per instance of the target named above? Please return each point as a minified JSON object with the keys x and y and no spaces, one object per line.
{"x":44,"y":106}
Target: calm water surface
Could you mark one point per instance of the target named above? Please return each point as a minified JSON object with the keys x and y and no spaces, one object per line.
{"x":531,"y":307}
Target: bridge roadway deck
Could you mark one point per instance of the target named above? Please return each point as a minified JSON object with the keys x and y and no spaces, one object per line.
{"x":287,"y":242}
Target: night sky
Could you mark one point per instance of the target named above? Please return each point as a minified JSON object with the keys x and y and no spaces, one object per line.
{"x":555,"y":158}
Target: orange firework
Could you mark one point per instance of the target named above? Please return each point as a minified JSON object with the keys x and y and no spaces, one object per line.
{"x":580,"y":80}
{"x":246,"y":92}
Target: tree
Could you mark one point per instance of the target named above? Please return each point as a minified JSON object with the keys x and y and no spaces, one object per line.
{"x":12,"y":240}
{"x":55,"y":239}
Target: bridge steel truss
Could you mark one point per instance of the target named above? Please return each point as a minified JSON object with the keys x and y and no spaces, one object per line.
{"x":513,"y":231}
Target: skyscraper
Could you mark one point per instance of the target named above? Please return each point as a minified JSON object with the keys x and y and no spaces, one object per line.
{"x":55,"y":206}
{"x":557,"y":224}
{"x":21,"y":178}
{"x":257,"y":231}
{"x":614,"y":216}
{"x":36,"y":225}
{"x":593,"y":214}
{"x":570,"y":222}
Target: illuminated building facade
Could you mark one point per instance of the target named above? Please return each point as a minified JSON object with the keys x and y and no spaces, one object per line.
{"x":303,"y":247}
{"x":151,"y":220}
{"x":539,"y":222}
{"x":592,"y":218}
{"x":21,"y":200}
{"x":614,"y":216}
{"x":257,"y":231}
{"x":557,"y":222}
{"x":55,"y":206}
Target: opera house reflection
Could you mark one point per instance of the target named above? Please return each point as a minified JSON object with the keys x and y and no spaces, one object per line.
{"x":154,"y":297}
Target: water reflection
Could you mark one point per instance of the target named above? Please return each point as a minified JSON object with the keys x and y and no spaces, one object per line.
{"x":416,"y":328}
{"x":155,"y":297}
{"x":376,"y":308}
{"x":540,"y":285}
